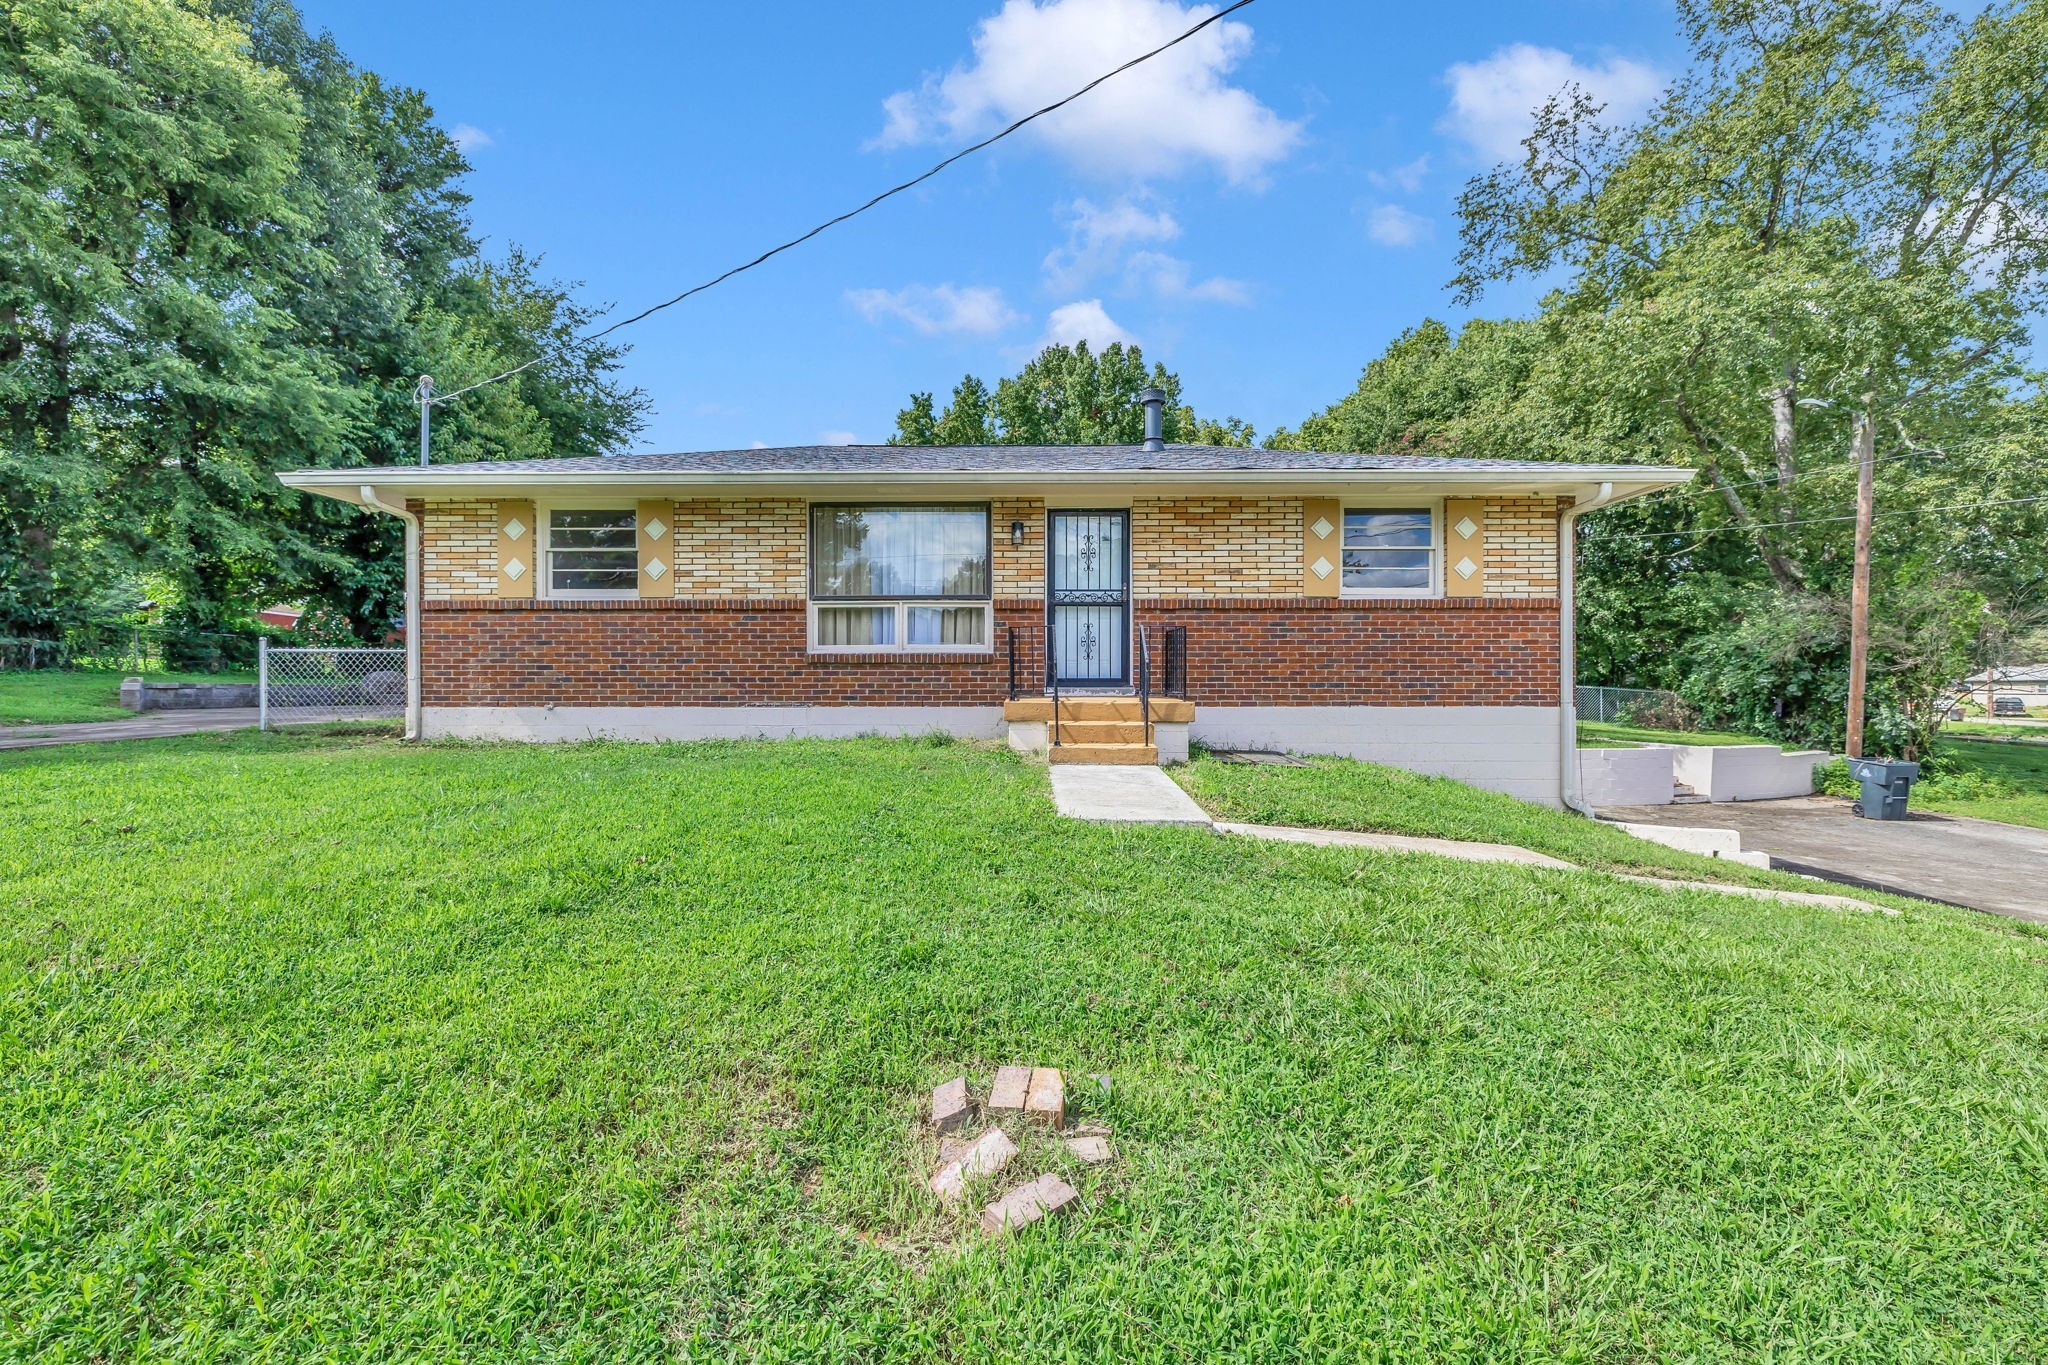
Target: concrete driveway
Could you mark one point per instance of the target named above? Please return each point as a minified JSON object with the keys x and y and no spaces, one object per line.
{"x":1980,"y":864}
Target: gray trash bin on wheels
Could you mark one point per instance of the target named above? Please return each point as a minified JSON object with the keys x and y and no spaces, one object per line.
{"x":1885,"y":784}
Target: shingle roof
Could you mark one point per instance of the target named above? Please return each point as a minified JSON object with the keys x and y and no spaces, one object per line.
{"x":1010,"y":460}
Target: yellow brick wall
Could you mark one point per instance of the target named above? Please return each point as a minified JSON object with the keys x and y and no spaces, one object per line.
{"x":1521,"y":547}
{"x":739,"y":547}
{"x":1216,"y":547}
{"x":1180,"y":547}
{"x":460,"y":544}
{"x":1019,"y":569}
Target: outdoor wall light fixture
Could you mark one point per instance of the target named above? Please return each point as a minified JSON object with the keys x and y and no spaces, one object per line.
{"x":1016,"y":533}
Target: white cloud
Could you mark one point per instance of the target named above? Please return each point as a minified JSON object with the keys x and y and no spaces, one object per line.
{"x":838,"y":438}
{"x":757,"y":445}
{"x":1392,"y":225}
{"x":1494,"y":102}
{"x":470,"y":138}
{"x":1083,"y":320}
{"x":1170,"y":278}
{"x":1100,"y":242}
{"x":1098,"y":237}
{"x":1407,"y":178}
{"x":1156,"y":119}
{"x":976,"y":310}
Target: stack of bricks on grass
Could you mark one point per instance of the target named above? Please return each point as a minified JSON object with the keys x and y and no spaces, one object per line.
{"x":1038,"y":1094}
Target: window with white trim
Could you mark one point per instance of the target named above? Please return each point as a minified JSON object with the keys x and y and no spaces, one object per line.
{"x":592,"y":552}
{"x":1390,"y":551}
{"x":900,"y":577}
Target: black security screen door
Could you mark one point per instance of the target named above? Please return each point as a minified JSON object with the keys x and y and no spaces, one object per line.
{"x":1089,"y":591}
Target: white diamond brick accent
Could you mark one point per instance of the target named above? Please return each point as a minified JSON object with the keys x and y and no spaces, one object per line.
{"x":1465,"y":527}
{"x":1465,"y":567}
{"x":1321,"y":568}
{"x":514,"y":529}
{"x":1322,"y":526}
{"x":655,"y":530}
{"x":513,"y":569}
{"x":655,"y":568}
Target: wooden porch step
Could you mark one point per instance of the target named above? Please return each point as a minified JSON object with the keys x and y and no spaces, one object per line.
{"x":1169,"y":710}
{"x":1131,"y":754}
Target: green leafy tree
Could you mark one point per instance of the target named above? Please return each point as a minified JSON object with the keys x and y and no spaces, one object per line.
{"x":1827,"y":239}
{"x":1065,"y":395}
{"x":228,"y":251}
{"x":1824,"y":240}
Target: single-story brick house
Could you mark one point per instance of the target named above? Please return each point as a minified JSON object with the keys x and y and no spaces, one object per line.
{"x":1408,"y":609}
{"x":2028,"y":682}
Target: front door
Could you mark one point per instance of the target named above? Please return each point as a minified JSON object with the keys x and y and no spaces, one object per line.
{"x":1088,"y":588}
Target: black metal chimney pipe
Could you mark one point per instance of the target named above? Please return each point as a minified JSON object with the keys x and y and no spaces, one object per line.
{"x":1155,"y":417}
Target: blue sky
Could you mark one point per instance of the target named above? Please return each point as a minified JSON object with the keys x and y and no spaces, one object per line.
{"x":1263,"y":209}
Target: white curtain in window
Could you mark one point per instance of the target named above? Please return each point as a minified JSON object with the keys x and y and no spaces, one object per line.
{"x":899,"y":552}
{"x":855,"y":626}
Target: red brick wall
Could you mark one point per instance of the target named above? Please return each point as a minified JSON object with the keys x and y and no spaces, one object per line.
{"x":1300,"y":651}
{"x":751,"y":652}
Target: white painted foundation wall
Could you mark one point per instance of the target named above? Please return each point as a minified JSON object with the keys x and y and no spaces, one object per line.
{"x":1726,"y":772}
{"x":1746,"y":772}
{"x":705,"y":722}
{"x":1510,"y":749}
{"x":1626,"y":777}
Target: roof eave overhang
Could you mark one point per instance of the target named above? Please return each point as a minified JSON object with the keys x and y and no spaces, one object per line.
{"x":428,"y":483}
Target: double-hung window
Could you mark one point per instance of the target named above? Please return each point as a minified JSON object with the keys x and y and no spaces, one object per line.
{"x":592,"y":552}
{"x":900,"y":577}
{"x":1390,"y":551}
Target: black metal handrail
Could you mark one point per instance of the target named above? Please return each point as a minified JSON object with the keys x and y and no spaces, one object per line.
{"x":1052,"y":679}
{"x":1176,"y":662}
{"x":1010,"y":638}
{"x":1145,"y":682}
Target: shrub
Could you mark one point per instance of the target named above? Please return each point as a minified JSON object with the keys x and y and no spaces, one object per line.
{"x":1663,"y":711}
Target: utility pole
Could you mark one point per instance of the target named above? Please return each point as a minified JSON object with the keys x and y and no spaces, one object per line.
{"x":1859,"y":591}
{"x":425,"y":391}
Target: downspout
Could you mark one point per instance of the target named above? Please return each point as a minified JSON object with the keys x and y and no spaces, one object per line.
{"x":1567,"y":649}
{"x":414,"y":626}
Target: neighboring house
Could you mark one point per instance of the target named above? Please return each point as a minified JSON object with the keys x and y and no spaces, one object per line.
{"x":2028,"y":682}
{"x":1412,"y":610}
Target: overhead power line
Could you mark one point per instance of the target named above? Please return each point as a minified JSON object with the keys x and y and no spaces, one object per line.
{"x":964,"y":152}
{"x":1807,"y":521}
{"x":1710,"y":489}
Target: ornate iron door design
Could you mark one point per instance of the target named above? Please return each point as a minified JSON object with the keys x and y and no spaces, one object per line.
{"x":1088,"y":585}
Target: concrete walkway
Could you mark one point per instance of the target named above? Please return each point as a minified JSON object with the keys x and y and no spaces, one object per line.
{"x":1978,"y":864}
{"x":1125,"y":794}
{"x":1395,"y":843}
{"x":159,"y":724}
{"x":1146,"y":796}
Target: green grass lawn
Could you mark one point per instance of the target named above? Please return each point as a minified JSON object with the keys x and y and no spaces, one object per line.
{"x":1336,"y":793}
{"x":2006,"y":782}
{"x":1982,"y":729}
{"x":54,"y":696}
{"x":1594,"y":735}
{"x":320,"y":1047}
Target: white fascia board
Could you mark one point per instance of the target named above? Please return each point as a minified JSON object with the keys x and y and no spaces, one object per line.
{"x":1629,"y":482}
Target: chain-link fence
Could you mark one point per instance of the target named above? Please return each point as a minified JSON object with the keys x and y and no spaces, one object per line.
{"x":1643,"y":705}
{"x":297,"y":685}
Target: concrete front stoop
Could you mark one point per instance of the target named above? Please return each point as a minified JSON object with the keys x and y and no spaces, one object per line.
{"x":1099,"y":730}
